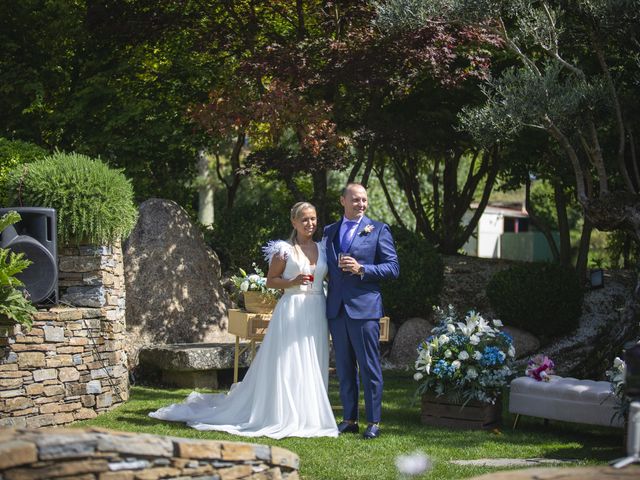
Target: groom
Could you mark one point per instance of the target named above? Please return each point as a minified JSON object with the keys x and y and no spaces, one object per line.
{"x":354,"y":304}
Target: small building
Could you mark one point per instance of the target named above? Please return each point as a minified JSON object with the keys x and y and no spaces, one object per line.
{"x":504,"y":231}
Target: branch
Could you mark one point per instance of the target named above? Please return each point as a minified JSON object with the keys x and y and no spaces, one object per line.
{"x":595,"y":155}
{"x":484,"y":200}
{"x":380,"y":174}
{"x":616,"y":104}
{"x":369,"y":165}
{"x":436,"y":190}
{"x":634,"y":157}
{"x":219,"y":172}
{"x":514,"y":48}
{"x":561,"y":138}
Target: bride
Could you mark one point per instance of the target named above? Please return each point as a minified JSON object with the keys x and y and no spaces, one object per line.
{"x":284,"y":393}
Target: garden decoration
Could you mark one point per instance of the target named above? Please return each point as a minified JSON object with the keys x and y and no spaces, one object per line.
{"x":253,"y":287}
{"x":540,"y":367}
{"x":461,"y":369}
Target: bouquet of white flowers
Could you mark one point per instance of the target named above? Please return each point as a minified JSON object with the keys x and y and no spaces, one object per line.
{"x":464,"y":360}
{"x":254,"y":282}
{"x":617,"y":379}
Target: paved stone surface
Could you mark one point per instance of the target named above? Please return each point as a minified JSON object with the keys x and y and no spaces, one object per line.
{"x":513,"y":462}
{"x":566,"y":473}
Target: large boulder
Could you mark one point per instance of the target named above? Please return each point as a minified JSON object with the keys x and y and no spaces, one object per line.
{"x":172,"y":281}
{"x":407,"y":339}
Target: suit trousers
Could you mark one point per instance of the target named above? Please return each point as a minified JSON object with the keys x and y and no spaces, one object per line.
{"x":356,"y":346}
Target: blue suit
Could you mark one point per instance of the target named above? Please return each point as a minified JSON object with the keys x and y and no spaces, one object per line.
{"x":354,"y":308}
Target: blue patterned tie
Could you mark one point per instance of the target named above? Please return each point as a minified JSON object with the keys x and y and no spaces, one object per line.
{"x":346,"y":236}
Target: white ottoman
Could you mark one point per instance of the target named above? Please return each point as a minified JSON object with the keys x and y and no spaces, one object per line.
{"x":566,"y":399}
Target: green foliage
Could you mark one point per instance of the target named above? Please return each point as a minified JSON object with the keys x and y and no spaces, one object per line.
{"x":12,"y":154}
{"x":13,"y":304}
{"x":421,"y":278}
{"x":94,"y":203}
{"x":544,"y":298}
{"x":260,"y":214}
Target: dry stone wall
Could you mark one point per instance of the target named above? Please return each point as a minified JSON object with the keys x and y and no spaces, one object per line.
{"x":109,"y":455}
{"x":71,"y":365}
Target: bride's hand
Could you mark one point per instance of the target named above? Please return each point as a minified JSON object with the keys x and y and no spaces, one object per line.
{"x":302,"y":279}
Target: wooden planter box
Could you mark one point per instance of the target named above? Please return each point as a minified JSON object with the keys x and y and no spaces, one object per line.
{"x":442,"y":412}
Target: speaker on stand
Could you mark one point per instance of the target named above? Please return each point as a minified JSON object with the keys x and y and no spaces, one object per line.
{"x":35,"y":235}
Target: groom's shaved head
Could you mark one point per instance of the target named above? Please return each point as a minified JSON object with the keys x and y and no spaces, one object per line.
{"x":350,"y":186}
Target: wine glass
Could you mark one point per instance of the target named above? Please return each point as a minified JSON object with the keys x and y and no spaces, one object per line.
{"x":305,"y":270}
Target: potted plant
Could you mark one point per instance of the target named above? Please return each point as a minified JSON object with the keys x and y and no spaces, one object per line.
{"x":253,"y":287}
{"x":15,"y":307}
{"x":461,"y":370}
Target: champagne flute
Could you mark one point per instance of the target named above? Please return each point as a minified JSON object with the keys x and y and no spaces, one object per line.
{"x":305,"y":270}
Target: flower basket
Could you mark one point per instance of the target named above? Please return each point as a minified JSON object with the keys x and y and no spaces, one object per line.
{"x":445,"y":412}
{"x":258,"y":302}
{"x":464,"y":362}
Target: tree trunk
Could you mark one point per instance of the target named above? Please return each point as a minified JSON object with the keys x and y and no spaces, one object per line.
{"x":205,"y":191}
{"x":583,"y":250}
{"x":563,"y":223}
{"x":537,"y":221}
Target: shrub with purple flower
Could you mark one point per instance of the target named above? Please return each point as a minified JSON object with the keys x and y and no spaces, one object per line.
{"x":465,"y":360}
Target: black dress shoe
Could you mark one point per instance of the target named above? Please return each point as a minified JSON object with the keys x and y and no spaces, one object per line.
{"x":372,"y":431}
{"x":346,"y":427}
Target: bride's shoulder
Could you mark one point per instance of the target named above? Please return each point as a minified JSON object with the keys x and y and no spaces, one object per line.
{"x":277,"y":247}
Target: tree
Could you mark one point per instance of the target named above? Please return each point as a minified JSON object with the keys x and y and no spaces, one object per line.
{"x":111,"y":78}
{"x":577,"y":81}
{"x":565,"y":86}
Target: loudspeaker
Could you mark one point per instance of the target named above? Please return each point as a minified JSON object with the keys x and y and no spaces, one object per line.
{"x":35,"y":235}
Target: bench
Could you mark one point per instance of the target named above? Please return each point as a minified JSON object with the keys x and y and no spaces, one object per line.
{"x":566,"y":399}
{"x":192,"y":365}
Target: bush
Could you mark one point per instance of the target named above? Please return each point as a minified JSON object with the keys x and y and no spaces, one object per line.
{"x":12,"y":154}
{"x":421,"y":277}
{"x":543,"y":298}
{"x":14,"y":306}
{"x":94,"y":203}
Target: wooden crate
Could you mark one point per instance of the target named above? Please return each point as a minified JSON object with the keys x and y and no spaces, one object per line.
{"x":248,"y":325}
{"x":254,"y":325}
{"x":441,"y":412}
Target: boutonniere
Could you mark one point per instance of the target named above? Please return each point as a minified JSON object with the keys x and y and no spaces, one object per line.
{"x":367,"y":230}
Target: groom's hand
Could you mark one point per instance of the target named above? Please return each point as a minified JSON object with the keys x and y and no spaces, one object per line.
{"x":350,"y":265}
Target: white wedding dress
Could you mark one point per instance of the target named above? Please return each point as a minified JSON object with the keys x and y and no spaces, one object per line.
{"x":284,"y":393}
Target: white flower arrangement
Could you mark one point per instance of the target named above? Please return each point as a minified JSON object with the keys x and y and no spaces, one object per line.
{"x":617,"y":379}
{"x":254,"y":282}
{"x":465,"y":360}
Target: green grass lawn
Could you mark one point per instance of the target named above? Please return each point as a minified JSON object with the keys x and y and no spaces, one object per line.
{"x":352,"y":457}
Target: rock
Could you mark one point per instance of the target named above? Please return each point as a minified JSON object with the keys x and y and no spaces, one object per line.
{"x":407,"y":339}
{"x":190,"y":365}
{"x":172,"y":280}
{"x":525,"y":343}
{"x":609,"y":319}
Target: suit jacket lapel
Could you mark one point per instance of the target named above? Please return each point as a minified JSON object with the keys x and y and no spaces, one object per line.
{"x":332,"y":236}
{"x":358,"y":237}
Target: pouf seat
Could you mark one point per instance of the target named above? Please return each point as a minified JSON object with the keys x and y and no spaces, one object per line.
{"x":564,"y":398}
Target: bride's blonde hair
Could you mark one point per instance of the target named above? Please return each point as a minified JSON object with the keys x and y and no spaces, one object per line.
{"x":296,"y":213}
